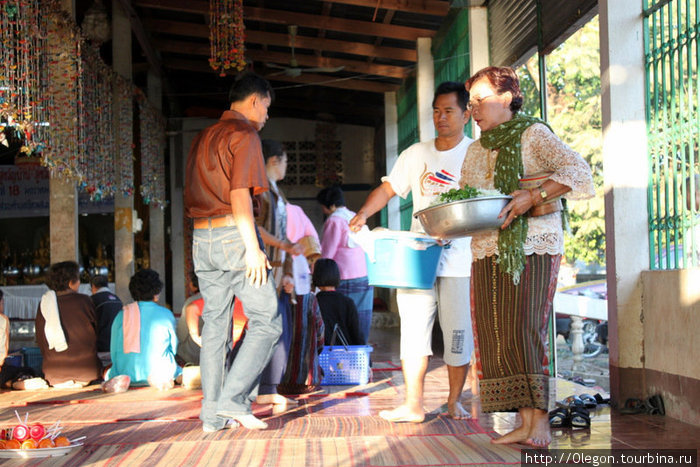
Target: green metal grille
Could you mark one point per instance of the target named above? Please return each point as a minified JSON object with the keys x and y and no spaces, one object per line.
{"x":451,"y":56}
{"x":407,"y":108}
{"x":672,"y":57}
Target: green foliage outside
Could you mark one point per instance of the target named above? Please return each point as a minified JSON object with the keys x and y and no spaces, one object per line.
{"x":573,"y":109}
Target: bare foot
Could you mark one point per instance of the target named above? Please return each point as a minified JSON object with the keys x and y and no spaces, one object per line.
{"x":402,"y":414}
{"x":519,"y":435}
{"x":456,"y":411}
{"x":540,"y":435}
{"x":276,"y":399}
{"x":473,"y":380}
{"x":250,"y":421}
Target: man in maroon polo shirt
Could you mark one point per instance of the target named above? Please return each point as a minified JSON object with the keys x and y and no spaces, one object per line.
{"x":225,"y":169}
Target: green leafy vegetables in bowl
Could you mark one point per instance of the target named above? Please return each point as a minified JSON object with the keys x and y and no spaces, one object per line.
{"x":468,"y":192}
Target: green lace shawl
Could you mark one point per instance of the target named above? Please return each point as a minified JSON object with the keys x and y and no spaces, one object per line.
{"x":506,"y":138}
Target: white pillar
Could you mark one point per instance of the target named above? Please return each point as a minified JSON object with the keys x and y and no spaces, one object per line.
{"x":625,"y":173}
{"x":391,"y":118}
{"x":478,"y":47}
{"x":156,"y":215}
{"x":123,"y":204}
{"x":425,"y":88}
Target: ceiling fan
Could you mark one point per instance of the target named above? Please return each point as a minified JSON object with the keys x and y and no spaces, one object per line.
{"x":293,"y":70}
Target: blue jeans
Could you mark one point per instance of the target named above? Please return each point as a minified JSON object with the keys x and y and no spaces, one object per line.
{"x":219,"y":262}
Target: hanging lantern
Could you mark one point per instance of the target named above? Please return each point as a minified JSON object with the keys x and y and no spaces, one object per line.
{"x":226,"y":35}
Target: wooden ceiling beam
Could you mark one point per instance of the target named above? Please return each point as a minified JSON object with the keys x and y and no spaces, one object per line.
{"x":267,"y":15}
{"x":282,"y":40}
{"x":306,"y":78}
{"x":423,"y":7}
{"x":340,"y":83}
{"x":281,"y":58}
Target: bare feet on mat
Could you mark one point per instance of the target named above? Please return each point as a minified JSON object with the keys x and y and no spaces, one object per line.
{"x":456,"y":411}
{"x":519,"y":435}
{"x":250,"y":421}
{"x":402,"y":414}
{"x":276,"y":399}
{"x":540,"y":435}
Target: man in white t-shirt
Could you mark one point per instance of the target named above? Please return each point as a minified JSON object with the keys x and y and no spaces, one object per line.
{"x":427,"y":169}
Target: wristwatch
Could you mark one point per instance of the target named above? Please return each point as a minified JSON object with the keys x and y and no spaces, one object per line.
{"x":543,"y":194}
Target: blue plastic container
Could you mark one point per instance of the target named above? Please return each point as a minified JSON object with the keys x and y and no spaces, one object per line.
{"x":403,"y":260}
{"x":345,"y":365}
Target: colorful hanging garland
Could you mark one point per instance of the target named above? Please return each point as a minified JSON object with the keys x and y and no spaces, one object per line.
{"x":226,"y":35}
{"x":152,"y":129}
{"x":64,"y":70}
{"x":22,"y":102}
{"x":96,"y":159}
{"x":124,"y":143}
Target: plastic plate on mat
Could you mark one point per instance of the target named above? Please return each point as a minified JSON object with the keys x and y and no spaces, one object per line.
{"x":39,"y":452}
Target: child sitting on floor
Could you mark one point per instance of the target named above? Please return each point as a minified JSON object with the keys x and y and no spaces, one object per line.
{"x":335,"y":307}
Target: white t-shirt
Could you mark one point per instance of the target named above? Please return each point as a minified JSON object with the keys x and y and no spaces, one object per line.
{"x":427,"y":172}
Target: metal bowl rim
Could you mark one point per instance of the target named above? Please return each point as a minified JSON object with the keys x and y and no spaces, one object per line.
{"x":461,"y":201}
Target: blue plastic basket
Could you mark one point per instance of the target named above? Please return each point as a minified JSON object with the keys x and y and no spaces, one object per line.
{"x":399,"y":263}
{"x":32,"y":358}
{"x":345,"y":365}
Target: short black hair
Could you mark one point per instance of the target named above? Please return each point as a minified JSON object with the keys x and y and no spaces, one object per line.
{"x":99,"y":281}
{"x":144,"y":285}
{"x":326,"y":273}
{"x":1,"y":294}
{"x":448,"y":87}
{"x":272,"y":148}
{"x":331,"y":196}
{"x":249,"y":83}
{"x":62,"y":274}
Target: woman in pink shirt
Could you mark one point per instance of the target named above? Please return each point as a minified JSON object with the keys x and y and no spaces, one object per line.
{"x":336,"y":245}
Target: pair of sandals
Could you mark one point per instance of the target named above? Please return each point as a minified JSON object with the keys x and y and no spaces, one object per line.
{"x":583,"y":400}
{"x":570,"y":417}
{"x":651,"y":406}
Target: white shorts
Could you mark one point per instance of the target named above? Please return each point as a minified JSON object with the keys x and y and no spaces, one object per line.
{"x":417,"y":307}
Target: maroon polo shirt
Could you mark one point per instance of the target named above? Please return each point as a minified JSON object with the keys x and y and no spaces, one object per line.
{"x":225,"y":156}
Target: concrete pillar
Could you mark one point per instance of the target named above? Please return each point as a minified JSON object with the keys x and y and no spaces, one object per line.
{"x":156,"y":215}
{"x":425,"y":88}
{"x":63,"y":195}
{"x":478,"y":47}
{"x":123,"y":204}
{"x":391,"y":118}
{"x":625,"y":167}
{"x":63,"y":220}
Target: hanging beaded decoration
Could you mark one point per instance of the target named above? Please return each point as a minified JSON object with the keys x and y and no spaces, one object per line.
{"x":64,"y":69}
{"x":22,"y":102}
{"x":96,"y":162}
{"x":152,"y":126}
{"x":124,"y":145}
{"x":226,"y":35}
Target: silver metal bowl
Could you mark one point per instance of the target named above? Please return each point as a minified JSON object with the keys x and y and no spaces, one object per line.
{"x":463,"y":218}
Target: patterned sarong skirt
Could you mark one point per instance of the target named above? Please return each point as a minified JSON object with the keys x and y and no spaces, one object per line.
{"x":510,"y":332}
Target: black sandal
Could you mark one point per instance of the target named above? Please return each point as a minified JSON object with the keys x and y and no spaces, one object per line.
{"x":559,"y":418}
{"x":655,"y":405}
{"x":589,"y":401}
{"x":633,"y":407}
{"x":579,"y":417}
